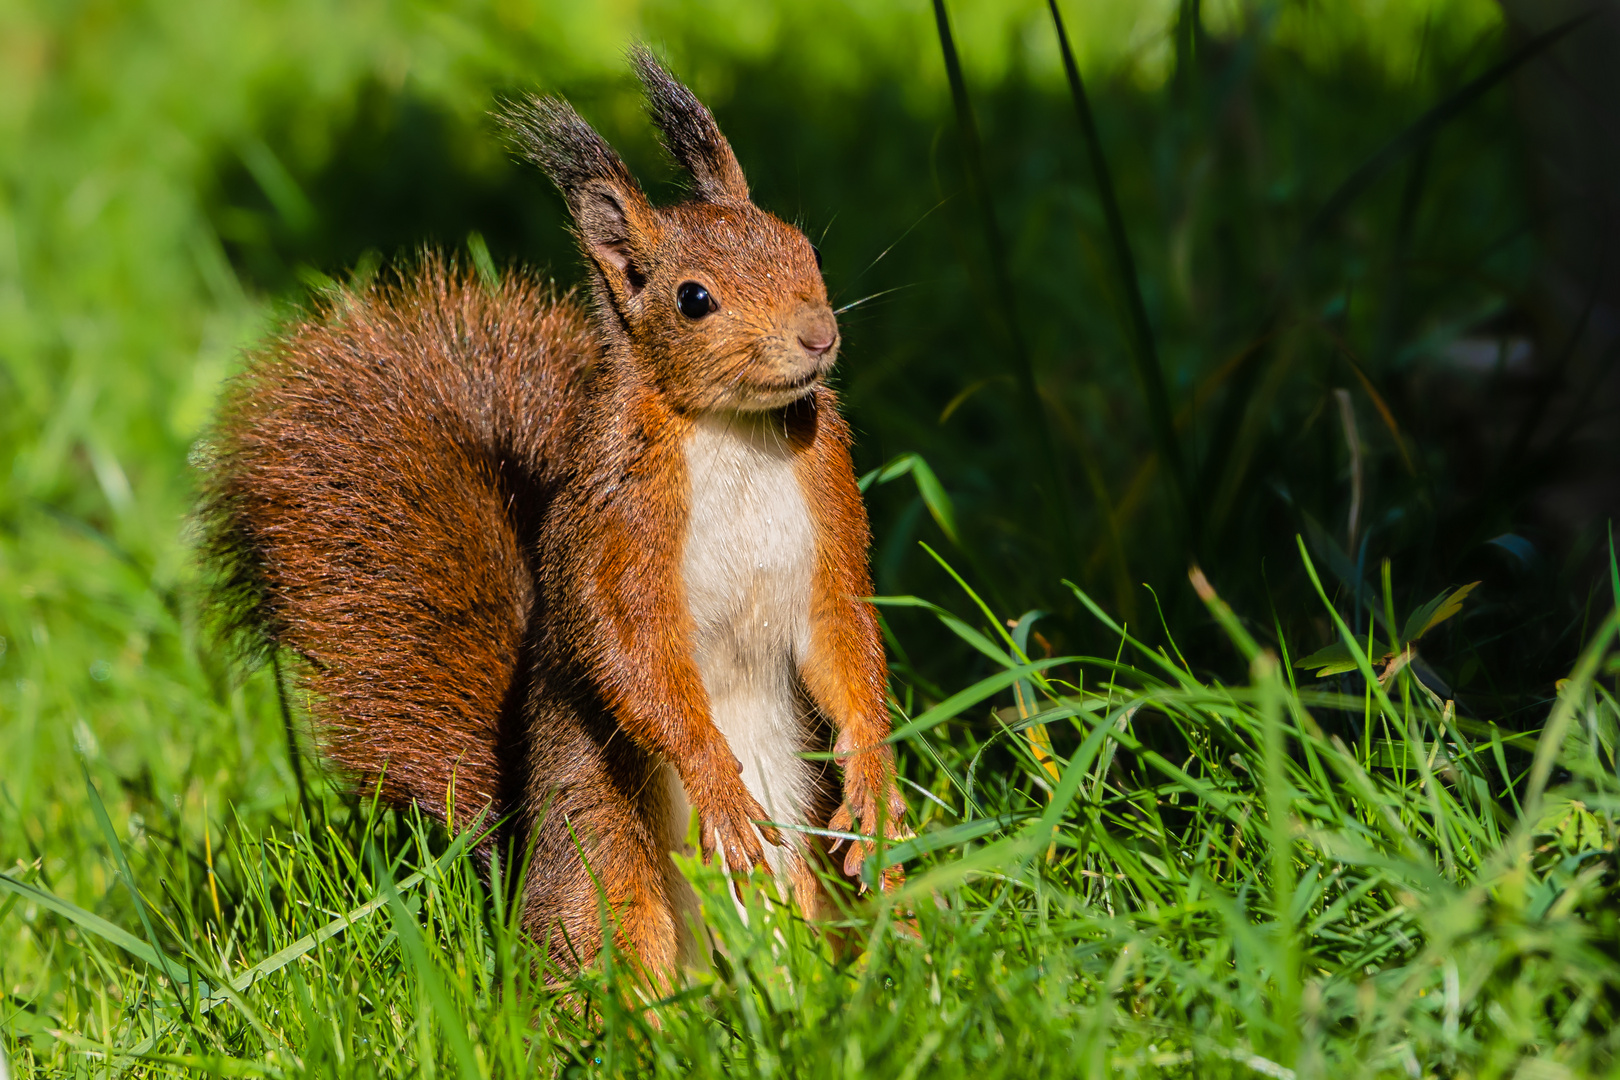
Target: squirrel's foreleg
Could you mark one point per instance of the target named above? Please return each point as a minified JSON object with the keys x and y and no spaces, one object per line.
{"x":845,"y":671}
{"x":639,"y":657}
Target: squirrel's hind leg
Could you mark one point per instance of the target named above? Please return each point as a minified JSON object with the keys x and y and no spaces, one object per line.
{"x":600,"y":863}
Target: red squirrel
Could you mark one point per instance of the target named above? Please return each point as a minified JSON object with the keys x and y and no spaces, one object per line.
{"x":588,"y":567}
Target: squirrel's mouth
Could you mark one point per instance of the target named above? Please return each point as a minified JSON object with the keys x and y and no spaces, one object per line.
{"x":804,"y":381}
{"x":754,"y":396}
{"x":773,"y":382}
{"x":788,"y":390}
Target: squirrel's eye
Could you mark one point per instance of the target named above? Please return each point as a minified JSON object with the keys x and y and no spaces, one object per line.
{"x":694,"y":300}
{"x":817,"y":253}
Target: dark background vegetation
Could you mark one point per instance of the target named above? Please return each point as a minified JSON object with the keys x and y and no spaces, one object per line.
{"x":1462,"y":298}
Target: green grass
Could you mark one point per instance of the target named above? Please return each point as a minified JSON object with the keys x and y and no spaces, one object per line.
{"x":1148,"y":842}
{"x":1261,"y":897}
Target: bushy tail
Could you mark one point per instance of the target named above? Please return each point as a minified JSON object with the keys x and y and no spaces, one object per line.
{"x":370,"y":497}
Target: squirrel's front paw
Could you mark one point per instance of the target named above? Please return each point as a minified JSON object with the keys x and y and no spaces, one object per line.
{"x":727,"y":812}
{"x":729,"y":830}
{"x":893,"y":829}
{"x":872,"y":802}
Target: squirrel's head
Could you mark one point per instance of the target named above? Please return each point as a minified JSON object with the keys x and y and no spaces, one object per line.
{"x":722,"y":301}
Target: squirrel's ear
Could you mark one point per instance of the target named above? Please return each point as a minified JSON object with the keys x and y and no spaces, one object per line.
{"x":614,"y":218}
{"x":690,"y":132}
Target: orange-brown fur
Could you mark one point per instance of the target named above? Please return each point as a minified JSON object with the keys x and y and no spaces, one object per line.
{"x":465,"y":508}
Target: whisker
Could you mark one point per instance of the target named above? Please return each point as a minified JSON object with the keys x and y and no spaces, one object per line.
{"x":827,"y":228}
{"x":864,"y":299}
{"x":897,"y":240}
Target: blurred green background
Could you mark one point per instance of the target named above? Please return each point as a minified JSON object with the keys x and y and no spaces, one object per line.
{"x":177,"y":177}
{"x":1353,"y":198}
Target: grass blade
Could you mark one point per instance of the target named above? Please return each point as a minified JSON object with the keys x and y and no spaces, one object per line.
{"x":309,"y":942}
{"x":176,"y":974}
{"x":295,"y":757}
{"x":1053,"y":494}
{"x":1563,"y":713}
{"x":957,"y":834}
{"x":1614,"y":570}
{"x":1144,"y":351}
{"x":933,"y":493}
{"x":952,"y":623}
{"x":478,"y":251}
{"x":86,"y":920}
{"x":453,"y":1024}
{"x":964,"y":699}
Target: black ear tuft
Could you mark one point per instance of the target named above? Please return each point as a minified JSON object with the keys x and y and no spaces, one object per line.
{"x":615,"y":222}
{"x":690,"y":132}
{"x":548,"y":132}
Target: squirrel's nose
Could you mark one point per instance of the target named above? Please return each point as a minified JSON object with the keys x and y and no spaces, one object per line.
{"x":817,"y":344}
{"x":818,"y":331}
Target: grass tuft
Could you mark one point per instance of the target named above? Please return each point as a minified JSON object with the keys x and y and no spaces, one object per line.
{"x":1189,"y":878}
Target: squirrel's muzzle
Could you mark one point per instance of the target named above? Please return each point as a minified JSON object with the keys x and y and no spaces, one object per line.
{"x":817,"y":330}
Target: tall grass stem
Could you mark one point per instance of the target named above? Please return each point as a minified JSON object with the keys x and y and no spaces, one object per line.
{"x":1144,"y":350}
{"x":1054,"y":491}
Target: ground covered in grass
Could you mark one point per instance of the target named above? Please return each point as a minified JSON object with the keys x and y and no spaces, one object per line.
{"x":1208,"y":879}
{"x":1222,"y":303}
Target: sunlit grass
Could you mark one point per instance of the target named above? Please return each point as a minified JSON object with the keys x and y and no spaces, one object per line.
{"x":1183,"y":878}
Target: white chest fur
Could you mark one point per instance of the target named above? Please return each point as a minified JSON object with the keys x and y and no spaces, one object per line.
{"x":747,"y":566}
